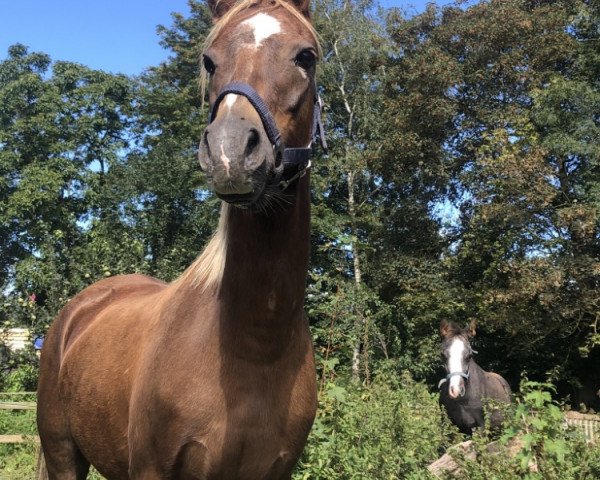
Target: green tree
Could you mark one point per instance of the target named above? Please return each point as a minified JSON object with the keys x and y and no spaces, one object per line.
{"x":502,"y":111}
{"x":165,"y":196}
{"x":345,"y":190}
{"x":416,"y":170}
{"x":61,"y":129}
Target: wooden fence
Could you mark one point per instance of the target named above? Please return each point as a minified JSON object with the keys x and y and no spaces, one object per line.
{"x":8,"y":402}
{"x":589,"y":425}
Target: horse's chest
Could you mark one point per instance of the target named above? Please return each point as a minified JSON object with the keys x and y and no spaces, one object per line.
{"x":251,"y":446}
{"x":251,"y":428}
{"x":466,"y":413}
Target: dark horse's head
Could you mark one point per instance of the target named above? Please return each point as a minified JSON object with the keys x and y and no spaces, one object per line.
{"x":260,"y":61}
{"x":457,"y":352}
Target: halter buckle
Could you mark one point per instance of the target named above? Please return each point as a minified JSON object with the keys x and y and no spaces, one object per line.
{"x":278,"y":153}
{"x":284,"y":184}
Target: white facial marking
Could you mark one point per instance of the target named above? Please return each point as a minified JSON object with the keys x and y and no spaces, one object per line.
{"x":225,"y":160}
{"x":263,"y":26}
{"x":230,"y":100}
{"x":455,"y":361}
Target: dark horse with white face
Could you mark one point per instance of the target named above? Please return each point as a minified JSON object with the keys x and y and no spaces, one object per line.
{"x":211,"y":376}
{"x":466,"y":387}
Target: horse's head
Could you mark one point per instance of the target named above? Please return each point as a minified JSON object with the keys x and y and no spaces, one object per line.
{"x":457,"y":352}
{"x":260,"y":59}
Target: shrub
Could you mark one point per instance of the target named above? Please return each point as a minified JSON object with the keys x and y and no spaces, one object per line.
{"x":391,"y":429}
{"x":545,"y":447}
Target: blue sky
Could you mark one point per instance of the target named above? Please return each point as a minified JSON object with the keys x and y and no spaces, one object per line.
{"x":117,"y":36}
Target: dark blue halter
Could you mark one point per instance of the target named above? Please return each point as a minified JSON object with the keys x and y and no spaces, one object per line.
{"x":294,"y":162}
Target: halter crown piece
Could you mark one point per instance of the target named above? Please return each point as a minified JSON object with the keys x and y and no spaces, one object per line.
{"x":294,"y":162}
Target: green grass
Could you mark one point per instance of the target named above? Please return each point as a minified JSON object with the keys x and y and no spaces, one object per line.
{"x":18,"y":461}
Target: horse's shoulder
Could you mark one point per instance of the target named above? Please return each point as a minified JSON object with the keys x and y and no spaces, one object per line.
{"x":81,"y":311}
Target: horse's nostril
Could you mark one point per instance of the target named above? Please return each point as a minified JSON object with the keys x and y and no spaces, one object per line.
{"x":252,"y":142}
{"x":206,"y":143}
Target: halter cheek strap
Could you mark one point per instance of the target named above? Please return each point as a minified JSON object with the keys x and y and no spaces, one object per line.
{"x":294,"y":161}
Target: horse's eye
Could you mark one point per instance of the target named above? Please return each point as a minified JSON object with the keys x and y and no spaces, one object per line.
{"x":209,"y":65}
{"x":306,"y":59}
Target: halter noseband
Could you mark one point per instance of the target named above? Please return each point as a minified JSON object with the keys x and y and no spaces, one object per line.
{"x":294,"y":161}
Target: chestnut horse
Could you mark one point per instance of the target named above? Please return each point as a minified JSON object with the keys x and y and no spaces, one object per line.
{"x":211,"y":376}
{"x":467,"y":386}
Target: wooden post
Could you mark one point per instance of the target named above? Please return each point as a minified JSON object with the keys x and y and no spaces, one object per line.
{"x":41,"y":473}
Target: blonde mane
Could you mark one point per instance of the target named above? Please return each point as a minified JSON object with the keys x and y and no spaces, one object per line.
{"x":207,"y":270}
{"x":237,"y":8}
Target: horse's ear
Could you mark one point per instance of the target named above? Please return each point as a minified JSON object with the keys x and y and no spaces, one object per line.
{"x":218,"y":8}
{"x":471,"y":328}
{"x":302,"y":5}
{"x":444,"y":328}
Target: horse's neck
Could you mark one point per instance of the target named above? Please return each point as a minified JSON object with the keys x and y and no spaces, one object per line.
{"x":266,"y":262}
{"x":476,"y":379}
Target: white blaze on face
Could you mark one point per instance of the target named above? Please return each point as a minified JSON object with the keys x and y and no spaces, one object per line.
{"x":225,"y":160}
{"x":455,"y":363}
{"x":230,"y":100}
{"x":263,"y":26}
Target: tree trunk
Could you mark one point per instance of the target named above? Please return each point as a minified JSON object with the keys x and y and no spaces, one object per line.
{"x":359,"y":324}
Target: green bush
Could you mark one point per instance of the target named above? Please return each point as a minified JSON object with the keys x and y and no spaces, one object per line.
{"x":23,"y":378}
{"x":391,"y":429}
{"x":546,"y":449}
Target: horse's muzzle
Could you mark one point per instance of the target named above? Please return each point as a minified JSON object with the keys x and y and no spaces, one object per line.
{"x":235,"y":155}
{"x":456,"y":391}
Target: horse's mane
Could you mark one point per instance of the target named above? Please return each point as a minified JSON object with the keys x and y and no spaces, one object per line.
{"x":207,"y":270}
{"x":243,"y":5}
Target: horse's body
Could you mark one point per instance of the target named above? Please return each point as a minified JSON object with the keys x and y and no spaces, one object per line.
{"x":211,"y":376}
{"x":467,"y":387}
{"x":467,"y":412}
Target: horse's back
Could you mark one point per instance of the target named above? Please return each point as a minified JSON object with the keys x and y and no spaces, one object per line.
{"x":497,"y":387}
{"x":94,"y":343}
{"x":84,"y":309}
